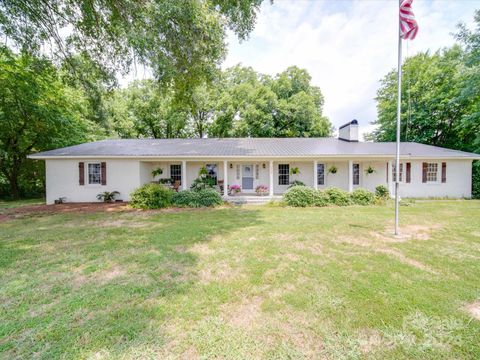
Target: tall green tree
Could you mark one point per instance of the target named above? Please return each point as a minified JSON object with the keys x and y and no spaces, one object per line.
{"x":300,"y":106}
{"x":145,"y":110}
{"x":181,"y":41}
{"x":256,"y":105}
{"x":440,"y":98}
{"x":433,"y":105}
{"x":37,"y":112}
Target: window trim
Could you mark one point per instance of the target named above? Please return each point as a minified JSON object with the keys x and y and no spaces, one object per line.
{"x":324,"y":174}
{"x":88,"y":183}
{"x":403,"y":172}
{"x":353,"y":174}
{"x":438,"y":178}
{"x":171,"y":175}
{"x":282,"y":174}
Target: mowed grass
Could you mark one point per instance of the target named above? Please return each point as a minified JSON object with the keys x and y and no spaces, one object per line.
{"x":241,"y":283}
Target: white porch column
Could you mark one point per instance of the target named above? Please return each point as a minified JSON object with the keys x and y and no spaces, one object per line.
{"x":225,"y":178}
{"x":184,"y":175}
{"x":315,"y":181}
{"x":350,"y":175}
{"x":271,"y":177}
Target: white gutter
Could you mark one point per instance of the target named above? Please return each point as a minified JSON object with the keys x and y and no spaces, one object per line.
{"x":237,"y":157}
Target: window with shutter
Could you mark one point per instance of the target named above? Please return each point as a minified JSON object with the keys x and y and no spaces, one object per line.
{"x":444,"y":172}
{"x":408,"y":175}
{"x":81,"y":173}
{"x":94,"y":173}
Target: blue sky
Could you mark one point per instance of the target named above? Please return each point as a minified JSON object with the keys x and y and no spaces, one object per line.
{"x":346,"y":46}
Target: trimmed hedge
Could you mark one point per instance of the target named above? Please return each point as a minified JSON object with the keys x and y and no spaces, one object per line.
{"x":198,"y":198}
{"x":338,"y":196}
{"x":302,"y":196}
{"x":299,"y":196}
{"x":151,"y":196}
{"x":382,"y":192}
{"x":362,"y":197}
{"x":320,"y":198}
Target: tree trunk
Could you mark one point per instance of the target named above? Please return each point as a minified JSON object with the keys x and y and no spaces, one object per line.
{"x":14,"y":190}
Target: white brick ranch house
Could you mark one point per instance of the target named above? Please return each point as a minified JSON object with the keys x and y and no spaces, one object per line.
{"x":78,"y":173}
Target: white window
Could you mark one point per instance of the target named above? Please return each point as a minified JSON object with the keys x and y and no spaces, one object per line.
{"x":176,"y":172}
{"x":320,"y":174}
{"x":432,"y":172}
{"x":356,"y":174}
{"x":394,"y":172}
{"x":95,"y":173}
{"x":283,"y":174}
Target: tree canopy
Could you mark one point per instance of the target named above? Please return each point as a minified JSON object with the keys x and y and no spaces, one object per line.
{"x":239,"y":103}
{"x":37,"y":112}
{"x":440,"y":98}
{"x":181,"y":41}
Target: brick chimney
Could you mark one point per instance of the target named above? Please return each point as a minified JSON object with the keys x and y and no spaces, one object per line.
{"x":349,"y":131}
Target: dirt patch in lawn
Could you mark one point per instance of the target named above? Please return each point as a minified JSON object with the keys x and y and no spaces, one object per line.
{"x":408,"y":232}
{"x":221,"y":271}
{"x":473,"y":309}
{"x":245,"y":315}
{"x":369,"y":340}
{"x":405,"y":260}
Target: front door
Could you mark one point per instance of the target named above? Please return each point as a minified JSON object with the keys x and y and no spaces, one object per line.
{"x":247,"y":177}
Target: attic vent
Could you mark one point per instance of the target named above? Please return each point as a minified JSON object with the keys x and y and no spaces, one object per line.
{"x":349,"y":131}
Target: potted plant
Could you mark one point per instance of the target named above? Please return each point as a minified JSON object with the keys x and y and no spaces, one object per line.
{"x":261,"y":190}
{"x":332,"y":169}
{"x":235,"y":189}
{"x":370,"y":170}
{"x":107,"y":196}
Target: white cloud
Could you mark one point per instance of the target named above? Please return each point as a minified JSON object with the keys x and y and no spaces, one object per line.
{"x":347,"y":47}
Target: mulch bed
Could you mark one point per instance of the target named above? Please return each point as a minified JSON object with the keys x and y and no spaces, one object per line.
{"x":41,"y":210}
{"x":33,"y":210}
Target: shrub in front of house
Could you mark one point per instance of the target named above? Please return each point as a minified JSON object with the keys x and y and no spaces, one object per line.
{"x":299,"y":196}
{"x":198,"y":198}
{"x":362,"y":197}
{"x":151,"y":196}
{"x":338,"y":196}
{"x":320,"y":198}
{"x":381,"y":192}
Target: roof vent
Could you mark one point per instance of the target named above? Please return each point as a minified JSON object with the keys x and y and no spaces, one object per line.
{"x":349,"y":131}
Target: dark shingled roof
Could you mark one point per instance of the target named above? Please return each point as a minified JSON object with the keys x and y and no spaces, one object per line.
{"x":239,"y":147}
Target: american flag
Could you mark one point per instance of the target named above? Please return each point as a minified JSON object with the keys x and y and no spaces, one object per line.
{"x":408,"y":24}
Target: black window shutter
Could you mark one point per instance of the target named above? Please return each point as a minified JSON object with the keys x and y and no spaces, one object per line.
{"x":104,"y":173}
{"x":81,"y":173}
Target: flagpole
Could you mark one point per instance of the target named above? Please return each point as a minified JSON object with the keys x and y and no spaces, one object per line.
{"x":399,"y":107}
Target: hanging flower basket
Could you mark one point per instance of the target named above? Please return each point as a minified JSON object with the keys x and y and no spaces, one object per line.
{"x":333,"y":169}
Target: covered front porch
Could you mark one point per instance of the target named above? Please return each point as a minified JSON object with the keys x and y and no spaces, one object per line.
{"x":276,"y":175}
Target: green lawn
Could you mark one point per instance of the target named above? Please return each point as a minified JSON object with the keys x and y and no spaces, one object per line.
{"x":8,"y":204}
{"x":241,"y":283}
